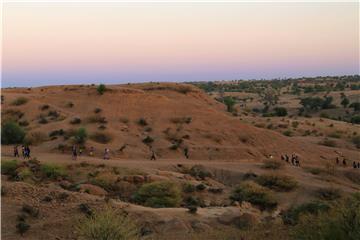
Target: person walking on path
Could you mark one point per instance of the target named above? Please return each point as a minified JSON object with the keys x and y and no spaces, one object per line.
{"x":74,"y":153}
{"x":16,"y":151}
{"x":106,"y":154}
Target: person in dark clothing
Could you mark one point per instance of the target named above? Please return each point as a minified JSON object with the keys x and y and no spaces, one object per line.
{"x":286,"y":158}
{"x":337,"y":160}
{"x":358,"y":165}
{"x":27,"y":152}
{"x":16,"y":151}
{"x":354,"y":164}
{"x":23,"y":151}
{"x":186,"y":152}
{"x":153,"y":157}
{"x":344,"y":162}
{"x":293,"y":158}
{"x":74,"y":153}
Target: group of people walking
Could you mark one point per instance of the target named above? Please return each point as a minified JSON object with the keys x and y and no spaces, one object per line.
{"x":294,"y":160}
{"x":355,"y":165}
{"x":25,"y":151}
{"x":75,"y":152}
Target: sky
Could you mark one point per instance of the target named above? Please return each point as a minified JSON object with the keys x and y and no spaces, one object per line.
{"x":77,"y":43}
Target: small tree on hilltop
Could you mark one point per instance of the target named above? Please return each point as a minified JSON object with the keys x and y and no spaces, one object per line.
{"x":269,"y":97}
{"x":101,"y":89}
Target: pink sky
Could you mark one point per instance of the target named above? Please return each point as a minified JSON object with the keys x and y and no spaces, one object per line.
{"x":62,"y":43}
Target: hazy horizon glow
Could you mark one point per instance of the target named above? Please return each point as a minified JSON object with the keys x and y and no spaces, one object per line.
{"x":70,"y":43}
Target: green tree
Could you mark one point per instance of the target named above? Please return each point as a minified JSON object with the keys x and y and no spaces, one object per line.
{"x":345,"y":102}
{"x":229,"y":102}
{"x":80,"y":136}
{"x":12,"y":133}
{"x":101,"y":89}
{"x":355,"y":106}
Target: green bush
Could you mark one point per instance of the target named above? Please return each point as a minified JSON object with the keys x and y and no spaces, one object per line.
{"x":277,"y":182}
{"x":272,"y":164}
{"x":52,"y":171}
{"x":280,"y":111}
{"x":19,"y":101}
{"x":80,"y":136}
{"x":288,"y":133}
{"x":142,"y":122}
{"x":341,"y":222}
{"x":189,"y":188}
{"x":328,"y":142}
{"x":291,"y":216}
{"x":254,"y":194}
{"x":229,"y":102}
{"x":355,"y":119}
{"x":9,"y":167}
{"x":200,"y":172}
{"x":75,"y":120}
{"x":328,"y":193}
{"x":101,"y":89}
{"x":148,"y":140}
{"x":356,"y":141}
{"x":108,"y":224}
{"x":12,"y":133}
{"x":159,"y":194}
{"x":101,"y":137}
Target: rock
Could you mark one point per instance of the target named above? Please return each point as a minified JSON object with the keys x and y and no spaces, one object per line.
{"x":92,"y":189}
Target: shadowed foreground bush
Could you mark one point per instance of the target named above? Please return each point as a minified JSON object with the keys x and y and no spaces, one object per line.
{"x":277,"y":182}
{"x":53,"y":171}
{"x":9,"y":167}
{"x":11,"y":133}
{"x":159,"y":194}
{"x":254,"y":194}
{"x":108,"y":224}
{"x":341,"y":222}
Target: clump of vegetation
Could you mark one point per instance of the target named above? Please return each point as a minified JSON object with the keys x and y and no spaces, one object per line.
{"x":69,"y":105}
{"x":59,"y":132}
{"x":255,"y":194}
{"x":53,"y":171}
{"x":42,"y":120}
{"x":24,"y":123}
{"x":328,"y":193}
{"x":101,"y":137}
{"x":328,"y":142}
{"x":288,"y":133}
{"x":44,"y":107}
{"x":53,"y":114}
{"x":148,"y":140}
{"x":277,"y":182}
{"x":19,"y":101}
{"x":280,"y":111}
{"x":291,"y":216}
{"x":200,"y":187}
{"x":189,"y":188}
{"x":101,"y":89}
{"x":314,"y":171}
{"x":230,"y":103}
{"x":142,"y":122}
{"x":272,"y":164}
{"x":97,"y":110}
{"x":75,"y":120}
{"x":80,"y":136}
{"x":355,"y":119}
{"x":22,"y":227}
{"x":35,"y":138}
{"x":356,"y":141}
{"x":97,"y":119}
{"x":108,"y":224}
{"x":200,"y":172}
{"x":159,"y":194}
{"x":9,"y":167}
{"x":124,"y":120}
{"x":12,"y":133}
{"x":181,"y":120}
{"x":340,"y":222}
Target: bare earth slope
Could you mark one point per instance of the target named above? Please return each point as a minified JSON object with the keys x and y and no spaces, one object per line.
{"x":176,"y":114}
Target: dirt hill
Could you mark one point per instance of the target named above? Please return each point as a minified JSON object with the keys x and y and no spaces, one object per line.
{"x":172,"y":118}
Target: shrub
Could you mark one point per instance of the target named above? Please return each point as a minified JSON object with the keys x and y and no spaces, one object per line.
{"x":97,"y":119}
{"x":272,"y":164}
{"x":288,"y":133}
{"x":35,"y":138}
{"x":340,"y":222}
{"x":22,"y":227}
{"x":44,"y":107}
{"x":59,"y":132}
{"x":291,"y":216}
{"x":80,"y":136}
{"x":199,"y":171}
{"x":24,"y":123}
{"x":159,"y":194}
{"x":254,"y":194}
{"x":334,"y":135}
{"x":181,"y":120}
{"x":148,"y":140}
{"x":328,"y":193}
{"x":356,"y":141}
{"x":101,"y":89}
{"x":101,"y":137}
{"x":192,"y":209}
{"x":277,"y":182}
{"x":9,"y":167}
{"x":53,"y":114}
{"x":19,"y":101}
{"x":229,"y":102}
{"x":75,"y":120}
{"x":69,"y":105}
{"x":108,"y":224}
{"x":97,"y":110}
{"x":200,"y":187}
{"x":42,"y":120}
{"x":142,"y":122}
{"x":329,"y":143}
{"x":280,"y":111}
{"x":355,"y":119}
{"x":52,"y":171}
{"x":124,"y":120}
{"x":314,"y":171}
{"x":193,"y":201}
{"x":189,"y":188}
{"x":11,"y":133}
